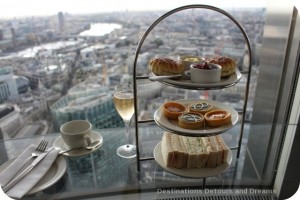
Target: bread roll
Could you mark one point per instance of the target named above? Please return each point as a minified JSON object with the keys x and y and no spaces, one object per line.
{"x":228,"y":65}
{"x":165,"y":66}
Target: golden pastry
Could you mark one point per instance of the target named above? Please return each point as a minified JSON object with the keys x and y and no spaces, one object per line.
{"x":228,"y":65}
{"x":173,"y":109}
{"x":191,"y":120}
{"x":165,"y":66}
{"x":200,"y":107}
{"x":217,"y":118}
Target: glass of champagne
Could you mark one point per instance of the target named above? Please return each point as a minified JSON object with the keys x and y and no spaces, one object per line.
{"x":124,"y":104}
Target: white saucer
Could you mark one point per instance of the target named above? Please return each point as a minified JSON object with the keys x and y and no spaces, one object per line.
{"x":95,"y":136}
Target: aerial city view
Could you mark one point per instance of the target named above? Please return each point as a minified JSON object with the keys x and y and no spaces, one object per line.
{"x":61,"y":67}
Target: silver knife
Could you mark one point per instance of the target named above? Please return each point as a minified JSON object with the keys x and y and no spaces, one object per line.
{"x":160,"y":78}
{"x":15,"y":180}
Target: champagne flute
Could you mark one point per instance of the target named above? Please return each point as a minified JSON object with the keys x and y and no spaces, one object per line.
{"x":124,"y":104}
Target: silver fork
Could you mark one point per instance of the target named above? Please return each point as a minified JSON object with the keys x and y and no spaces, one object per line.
{"x":39,"y":149}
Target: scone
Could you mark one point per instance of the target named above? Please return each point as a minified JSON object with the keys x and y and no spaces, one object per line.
{"x":217,"y":118}
{"x":200,"y":107}
{"x":228,"y":65}
{"x":173,"y":109}
{"x":165,"y":66}
{"x":191,"y":120}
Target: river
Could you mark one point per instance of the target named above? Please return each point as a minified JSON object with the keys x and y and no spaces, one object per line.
{"x":97,"y":29}
{"x":100,"y":29}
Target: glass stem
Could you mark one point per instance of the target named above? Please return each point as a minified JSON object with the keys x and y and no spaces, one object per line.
{"x":127,"y":131}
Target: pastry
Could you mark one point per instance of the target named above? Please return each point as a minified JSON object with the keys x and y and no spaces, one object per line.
{"x":200,"y":107}
{"x":193,"y":152}
{"x":228,"y":65}
{"x":217,"y":118}
{"x":173,"y":109}
{"x":165,"y":66}
{"x":191,"y":120}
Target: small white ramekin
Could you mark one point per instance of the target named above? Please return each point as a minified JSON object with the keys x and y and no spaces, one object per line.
{"x":205,"y":75}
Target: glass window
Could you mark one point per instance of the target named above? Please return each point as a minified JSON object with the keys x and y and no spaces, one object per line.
{"x":61,"y":65}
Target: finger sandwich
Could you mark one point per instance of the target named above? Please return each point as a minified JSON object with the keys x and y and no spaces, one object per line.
{"x":193,"y":152}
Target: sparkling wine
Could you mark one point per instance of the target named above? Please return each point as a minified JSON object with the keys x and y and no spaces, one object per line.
{"x":124,"y":103}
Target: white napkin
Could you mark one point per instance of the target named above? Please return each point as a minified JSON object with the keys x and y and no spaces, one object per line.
{"x":30,"y":180}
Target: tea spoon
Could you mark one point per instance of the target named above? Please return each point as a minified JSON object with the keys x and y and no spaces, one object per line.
{"x":90,"y":147}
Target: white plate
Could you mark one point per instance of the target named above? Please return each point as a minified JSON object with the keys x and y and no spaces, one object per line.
{"x":55,"y":172}
{"x":172,"y":125}
{"x":185,"y":82}
{"x":194,"y":172}
{"x":95,"y":136}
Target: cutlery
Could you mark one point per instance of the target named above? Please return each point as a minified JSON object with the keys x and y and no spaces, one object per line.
{"x":38,"y":150}
{"x":15,"y":180}
{"x":90,"y":147}
{"x":159,"y":78}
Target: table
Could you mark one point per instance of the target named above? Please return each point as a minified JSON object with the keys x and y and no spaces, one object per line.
{"x":104,"y":173}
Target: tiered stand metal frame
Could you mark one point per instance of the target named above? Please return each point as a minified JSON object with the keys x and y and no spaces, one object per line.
{"x":135,"y":77}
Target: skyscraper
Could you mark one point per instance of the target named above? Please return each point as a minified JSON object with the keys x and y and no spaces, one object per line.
{"x":1,"y":34}
{"x":13,"y":36}
{"x":61,"y":23}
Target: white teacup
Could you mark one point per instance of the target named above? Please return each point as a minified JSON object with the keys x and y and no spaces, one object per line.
{"x":76,"y":133}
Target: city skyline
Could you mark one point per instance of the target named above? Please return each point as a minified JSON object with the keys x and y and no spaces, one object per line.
{"x":15,"y":8}
{"x":46,"y":100}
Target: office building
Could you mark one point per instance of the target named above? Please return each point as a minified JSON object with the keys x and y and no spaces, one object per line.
{"x":11,"y":86}
{"x":61,"y":23}
{"x":88,"y":101}
{"x":10,"y":120}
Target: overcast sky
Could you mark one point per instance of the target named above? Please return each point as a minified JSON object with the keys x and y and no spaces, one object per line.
{"x":17,"y":8}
